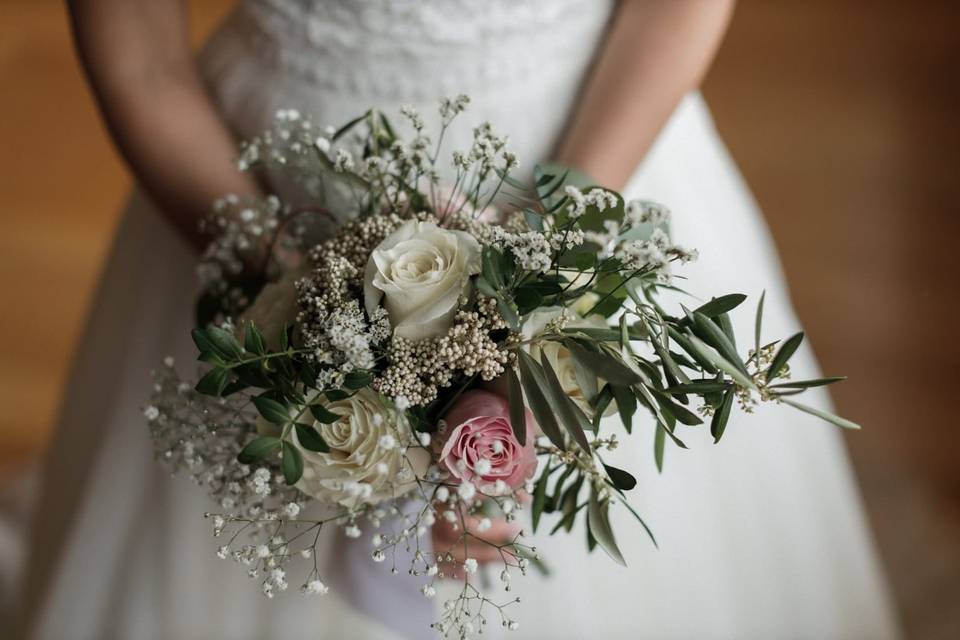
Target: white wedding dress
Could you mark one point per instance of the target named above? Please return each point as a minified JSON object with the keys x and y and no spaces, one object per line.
{"x":761,"y":536}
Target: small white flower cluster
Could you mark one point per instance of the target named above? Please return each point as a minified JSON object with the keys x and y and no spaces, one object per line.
{"x":349,"y":334}
{"x":654,"y":254}
{"x":599,"y":198}
{"x":241,"y":230}
{"x":450,"y":108}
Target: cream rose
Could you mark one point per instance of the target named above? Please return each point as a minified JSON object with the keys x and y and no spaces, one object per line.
{"x":575,"y":381}
{"x":419,"y":273}
{"x":369,"y":460}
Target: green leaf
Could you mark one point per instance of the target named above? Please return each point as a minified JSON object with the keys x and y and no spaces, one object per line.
{"x":533,"y":384}
{"x":225,"y":342}
{"x":309,"y":438}
{"x":714,"y":336}
{"x":213,"y":382}
{"x":727,"y":326}
{"x":719,"y":421}
{"x":723,"y":304}
{"x":570,"y":415}
{"x":484,"y":287}
{"x":204,"y":343}
{"x":357,"y":379}
{"x":527,"y":299}
{"x":621,"y":479}
{"x":681,"y":413}
{"x":291,"y":464}
{"x":824,"y":415}
{"x":585,"y":260}
{"x":351,"y":124}
{"x":698,"y":387}
{"x":539,"y":498}
{"x":807,"y":384}
{"x":599,"y":525}
{"x":757,"y":325}
{"x":705,"y":362}
{"x":720,"y":362}
{"x":509,"y":313}
{"x":490,"y":266}
{"x":787,"y":350}
{"x":271,"y":410}
{"x":258,"y":449}
{"x":323,"y":415}
{"x":518,"y":417}
{"x":603,"y":365}
{"x":626,"y":404}
{"x":659,"y":442}
{"x":253,"y":339}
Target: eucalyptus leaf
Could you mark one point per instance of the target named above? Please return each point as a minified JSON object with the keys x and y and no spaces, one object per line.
{"x":533,"y":384}
{"x":626,"y":404}
{"x":539,"y":498}
{"x":786,"y":351}
{"x":720,"y":417}
{"x":807,"y":384}
{"x":825,"y":415}
{"x":720,"y":305}
{"x":714,"y":336}
{"x":721,"y":363}
{"x":758,"y":323}
{"x":621,"y":479}
{"x":603,"y":365}
{"x":659,"y":444}
{"x":599,"y":525}
{"x":570,"y":415}
{"x":518,"y":418}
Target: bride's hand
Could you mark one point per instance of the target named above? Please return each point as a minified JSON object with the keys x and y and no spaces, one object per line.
{"x":138,"y":59}
{"x":448,"y":538}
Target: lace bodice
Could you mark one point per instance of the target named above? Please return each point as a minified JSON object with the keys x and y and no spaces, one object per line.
{"x":410,"y":49}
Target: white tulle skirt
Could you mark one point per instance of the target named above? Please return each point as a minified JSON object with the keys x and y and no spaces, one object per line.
{"x":761,"y":536}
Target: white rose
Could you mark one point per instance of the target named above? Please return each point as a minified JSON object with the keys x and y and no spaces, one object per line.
{"x":574,"y":380}
{"x":274,"y":308}
{"x":358,"y":468}
{"x":419,"y":272}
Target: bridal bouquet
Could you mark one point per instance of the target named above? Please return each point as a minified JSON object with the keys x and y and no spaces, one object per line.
{"x":397,"y":352}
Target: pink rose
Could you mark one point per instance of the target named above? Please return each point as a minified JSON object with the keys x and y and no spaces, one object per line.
{"x":477,"y":444}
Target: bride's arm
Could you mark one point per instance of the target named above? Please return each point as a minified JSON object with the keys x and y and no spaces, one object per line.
{"x":138,"y":59}
{"x":654,"y":53}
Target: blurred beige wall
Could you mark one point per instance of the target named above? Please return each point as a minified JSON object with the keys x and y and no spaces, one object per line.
{"x":841,"y":114}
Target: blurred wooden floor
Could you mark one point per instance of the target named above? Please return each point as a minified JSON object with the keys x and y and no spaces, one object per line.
{"x":842,"y":117}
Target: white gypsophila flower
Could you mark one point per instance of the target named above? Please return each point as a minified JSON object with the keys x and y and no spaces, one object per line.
{"x":315,"y":587}
{"x":350,"y":473}
{"x":466,"y":491}
{"x":343,"y":161}
{"x":151,"y":413}
{"x":484,"y":525}
{"x":470,"y":565}
{"x":428,"y":591}
{"x":419,"y":273}
{"x":442,"y":494}
{"x":578,"y":383}
{"x":352,"y":531}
